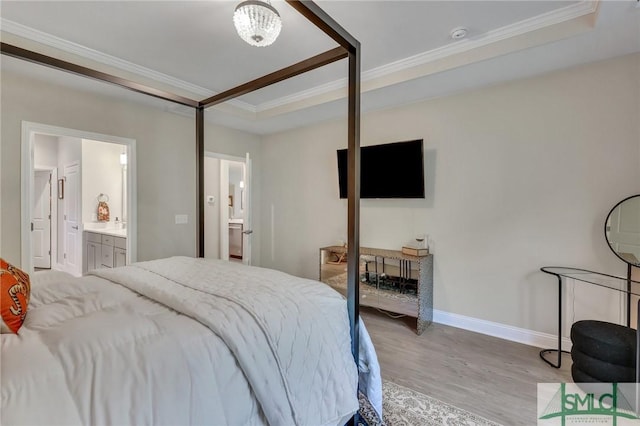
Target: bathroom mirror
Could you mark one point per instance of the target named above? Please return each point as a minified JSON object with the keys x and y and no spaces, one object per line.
{"x":622,"y":230}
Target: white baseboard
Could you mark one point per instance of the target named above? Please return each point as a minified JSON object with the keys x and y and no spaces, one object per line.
{"x":58,"y":267}
{"x":502,"y":331}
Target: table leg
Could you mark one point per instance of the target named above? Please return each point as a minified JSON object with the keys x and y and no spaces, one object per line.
{"x":422,"y":325}
{"x":637,"y":358}
{"x":559,"y":351}
{"x":629,"y":295}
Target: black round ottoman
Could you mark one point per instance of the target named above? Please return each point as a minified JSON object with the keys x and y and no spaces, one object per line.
{"x":603,"y":352}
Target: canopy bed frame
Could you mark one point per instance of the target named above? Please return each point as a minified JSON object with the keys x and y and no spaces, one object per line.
{"x":348,"y":47}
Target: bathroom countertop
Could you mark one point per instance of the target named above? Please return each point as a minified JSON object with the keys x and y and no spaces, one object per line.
{"x":107,"y":231}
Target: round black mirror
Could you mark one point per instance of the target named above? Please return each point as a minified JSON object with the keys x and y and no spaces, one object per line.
{"x":622,"y":230}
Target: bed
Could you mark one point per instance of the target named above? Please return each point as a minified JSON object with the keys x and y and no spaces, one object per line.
{"x":68,"y":379}
{"x":184,"y":341}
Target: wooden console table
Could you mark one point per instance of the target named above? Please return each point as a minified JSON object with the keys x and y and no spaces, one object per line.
{"x":390,"y":280}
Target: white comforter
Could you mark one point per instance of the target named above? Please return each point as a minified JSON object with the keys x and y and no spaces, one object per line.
{"x":267,"y":348}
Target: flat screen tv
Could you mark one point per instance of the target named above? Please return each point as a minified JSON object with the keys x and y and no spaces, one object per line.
{"x":393,"y":170}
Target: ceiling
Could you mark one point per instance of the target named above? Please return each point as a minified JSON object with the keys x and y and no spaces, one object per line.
{"x":191,"y":48}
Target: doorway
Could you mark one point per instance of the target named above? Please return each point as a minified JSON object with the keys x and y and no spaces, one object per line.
{"x":59,"y":209}
{"x":228,"y":230}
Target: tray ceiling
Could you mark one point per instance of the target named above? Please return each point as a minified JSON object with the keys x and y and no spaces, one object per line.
{"x":191,"y":48}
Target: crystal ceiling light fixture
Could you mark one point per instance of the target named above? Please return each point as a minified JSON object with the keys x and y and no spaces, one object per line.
{"x":257,"y":22}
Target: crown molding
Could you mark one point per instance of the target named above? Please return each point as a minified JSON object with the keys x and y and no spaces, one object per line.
{"x":303,"y":95}
{"x":538,"y":22}
{"x":558,"y":16}
{"x":67,"y":46}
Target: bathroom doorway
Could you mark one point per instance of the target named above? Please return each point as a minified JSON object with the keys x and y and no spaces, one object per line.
{"x":228,"y":230}
{"x":67,"y":174}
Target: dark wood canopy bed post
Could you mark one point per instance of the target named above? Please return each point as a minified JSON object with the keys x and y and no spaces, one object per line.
{"x":200,"y":178}
{"x":349,"y":48}
{"x":353,"y":194}
{"x":330,"y":27}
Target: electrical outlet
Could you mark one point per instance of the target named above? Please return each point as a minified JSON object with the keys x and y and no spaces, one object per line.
{"x":182,"y":219}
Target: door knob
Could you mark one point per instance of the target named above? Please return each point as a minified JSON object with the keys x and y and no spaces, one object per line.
{"x":248,"y":232}
{"x":74,"y":227}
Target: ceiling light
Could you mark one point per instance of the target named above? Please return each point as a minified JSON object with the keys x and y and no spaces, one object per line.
{"x":459,"y":33}
{"x":257,"y":22}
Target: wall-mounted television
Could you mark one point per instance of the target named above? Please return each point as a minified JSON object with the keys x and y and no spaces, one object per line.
{"x":392,"y":170}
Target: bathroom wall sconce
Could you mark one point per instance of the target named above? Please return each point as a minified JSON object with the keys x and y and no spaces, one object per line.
{"x":61,"y":189}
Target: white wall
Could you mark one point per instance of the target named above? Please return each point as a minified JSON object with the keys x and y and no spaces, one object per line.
{"x":518,"y":176}
{"x":101,"y":174}
{"x":165,"y":144}
{"x":212,"y":210}
{"x":45,"y":152}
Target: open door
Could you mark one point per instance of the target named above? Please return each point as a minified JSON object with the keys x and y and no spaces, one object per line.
{"x":71,"y":226}
{"x":228,"y":224}
{"x":245,"y":199}
{"x":41,"y":220}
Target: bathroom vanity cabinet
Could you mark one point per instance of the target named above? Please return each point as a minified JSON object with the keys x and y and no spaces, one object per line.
{"x":235,"y":240}
{"x":103,"y":250}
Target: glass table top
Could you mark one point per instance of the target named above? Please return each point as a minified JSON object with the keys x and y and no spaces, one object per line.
{"x":612,"y":282}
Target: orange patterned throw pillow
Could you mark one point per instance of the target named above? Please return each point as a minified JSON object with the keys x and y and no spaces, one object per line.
{"x":14,"y":297}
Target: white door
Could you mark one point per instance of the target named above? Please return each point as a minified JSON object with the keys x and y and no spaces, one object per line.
{"x":41,"y":220}
{"x":224,"y":210}
{"x":72,"y":243}
{"x":247,"y":232}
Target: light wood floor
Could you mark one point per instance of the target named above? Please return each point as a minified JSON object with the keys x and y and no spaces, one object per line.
{"x":491,"y":377}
